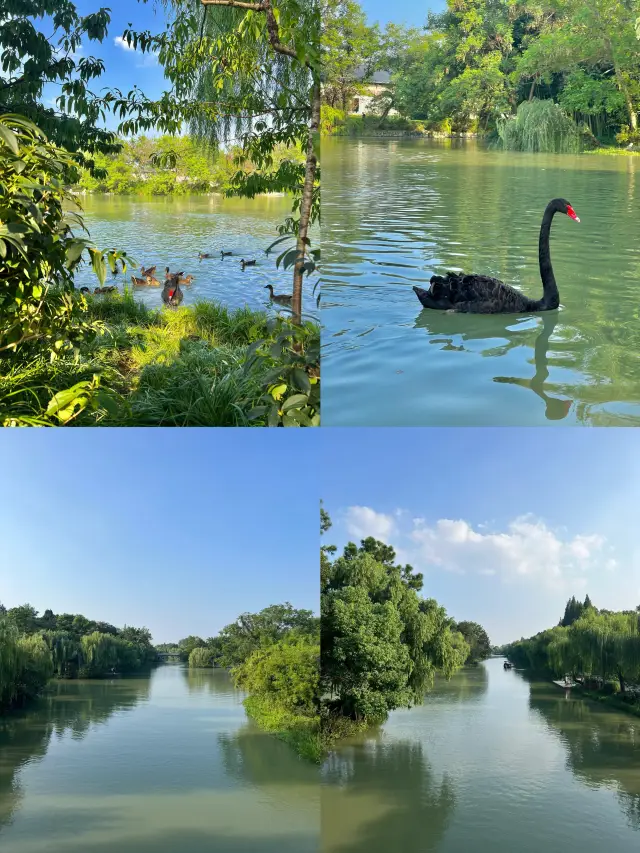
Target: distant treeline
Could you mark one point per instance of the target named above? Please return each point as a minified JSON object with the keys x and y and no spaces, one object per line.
{"x":273,"y":655}
{"x":382,"y":643}
{"x":479,"y":65}
{"x":35,"y":648}
{"x":168,"y":165}
{"x":602,"y":647}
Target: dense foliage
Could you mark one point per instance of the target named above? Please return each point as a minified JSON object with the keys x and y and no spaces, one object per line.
{"x":382,"y":643}
{"x":601,"y":646}
{"x":477,"y":639}
{"x":41,"y":244}
{"x":169,"y":165}
{"x":480,"y":60}
{"x":274,"y":656}
{"x":67,"y":645}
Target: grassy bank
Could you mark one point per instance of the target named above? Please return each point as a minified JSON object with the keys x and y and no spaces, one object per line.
{"x":300,"y":731}
{"x":194,"y":366}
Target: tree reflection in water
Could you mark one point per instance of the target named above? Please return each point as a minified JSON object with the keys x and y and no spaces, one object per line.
{"x":531,"y":332}
{"x":603,"y":746}
{"x":381,"y":796}
{"x":67,"y":708}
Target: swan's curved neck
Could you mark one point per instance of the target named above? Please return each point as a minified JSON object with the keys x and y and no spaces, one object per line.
{"x":550,"y":295}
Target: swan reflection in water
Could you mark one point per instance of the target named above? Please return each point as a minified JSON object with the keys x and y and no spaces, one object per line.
{"x":453,"y":331}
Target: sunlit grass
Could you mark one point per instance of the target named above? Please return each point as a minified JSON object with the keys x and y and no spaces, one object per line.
{"x":164,"y":367}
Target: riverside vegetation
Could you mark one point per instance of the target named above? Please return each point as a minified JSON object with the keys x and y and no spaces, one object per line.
{"x":556,"y":75}
{"x":35,"y":648}
{"x":274,"y":656}
{"x":69,"y":359}
{"x":601,"y":648}
{"x":382,"y":643}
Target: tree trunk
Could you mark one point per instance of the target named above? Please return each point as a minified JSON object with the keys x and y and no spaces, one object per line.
{"x":532,"y":89}
{"x":622,"y":681}
{"x":305,"y":203}
{"x":385,"y":113}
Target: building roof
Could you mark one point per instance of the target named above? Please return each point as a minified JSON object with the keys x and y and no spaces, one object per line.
{"x":380,"y":77}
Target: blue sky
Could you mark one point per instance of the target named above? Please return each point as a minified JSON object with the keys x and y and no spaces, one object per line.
{"x":506,"y":524}
{"x":401,"y":11}
{"x":124,"y":67}
{"x":179,"y":530}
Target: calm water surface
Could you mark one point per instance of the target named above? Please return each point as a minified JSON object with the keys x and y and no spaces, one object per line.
{"x":397,"y":211}
{"x":151,"y":765}
{"x":491,"y":763}
{"x":170,"y":232}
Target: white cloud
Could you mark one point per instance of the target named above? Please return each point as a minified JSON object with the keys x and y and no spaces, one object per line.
{"x":120,"y":42}
{"x":527,"y":548}
{"x":362,"y":521}
{"x":145,"y":60}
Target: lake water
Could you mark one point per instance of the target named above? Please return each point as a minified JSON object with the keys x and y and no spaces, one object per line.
{"x":155,"y":764}
{"x":493,"y":762}
{"x":397,"y":211}
{"x":171,"y":231}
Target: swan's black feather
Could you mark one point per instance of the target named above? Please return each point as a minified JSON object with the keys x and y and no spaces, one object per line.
{"x":477,"y":294}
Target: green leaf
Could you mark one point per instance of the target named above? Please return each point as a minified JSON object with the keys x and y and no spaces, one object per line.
{"x":9,"y":138}
{"x":297,"y":401}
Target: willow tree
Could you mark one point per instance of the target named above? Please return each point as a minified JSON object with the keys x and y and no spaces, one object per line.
{"x":247,"y":72}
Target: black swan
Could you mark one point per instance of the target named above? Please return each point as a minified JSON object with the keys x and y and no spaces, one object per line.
{"x":479,"y":294}
{"x":172,"y":296}
{"x":282,"y":298}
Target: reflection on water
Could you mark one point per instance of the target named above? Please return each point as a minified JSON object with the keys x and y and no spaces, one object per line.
{"x":160,"y":763}
{"x":492,"y":762}
{"x":396,"y":212}
{"x":532,"y":334}
{"x":172,"y":231}
{"x":377,"y":794}
{"x":599,"y":755}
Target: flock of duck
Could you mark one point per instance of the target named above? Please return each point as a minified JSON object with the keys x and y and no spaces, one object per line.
{"x":172,"y":294}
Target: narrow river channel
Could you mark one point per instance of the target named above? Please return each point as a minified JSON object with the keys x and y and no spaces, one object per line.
{"x":155,"y":764}
{"x":493,"y":762}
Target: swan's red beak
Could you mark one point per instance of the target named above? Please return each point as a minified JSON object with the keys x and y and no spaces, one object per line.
{"x":571,"y":212}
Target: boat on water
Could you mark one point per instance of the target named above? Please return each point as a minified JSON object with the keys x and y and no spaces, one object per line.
{"x":566,"y":683}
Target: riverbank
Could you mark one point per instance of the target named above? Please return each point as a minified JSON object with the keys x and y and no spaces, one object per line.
{"x":613,"y":701}
{"x":201,"y":365}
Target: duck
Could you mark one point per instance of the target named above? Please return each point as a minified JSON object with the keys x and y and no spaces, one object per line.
{"x":244,"y":263}
{"x":172,"y":296}
{"x":84,"y":290}
{"x":202,"y":255}
{"x":186,"y":281}
{"x":281,"y":298}
{"x":147,"y":272}
{"x":140,"y":282}
{"x":110,"y":288}
{"x":225,"y":254}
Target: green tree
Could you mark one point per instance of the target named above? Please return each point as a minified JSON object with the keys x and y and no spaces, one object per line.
{"x":477,"y":639}
{"x":381,"y":642}
{"x":248,"y":70}
{"x":287,"y":671}
{"x":200,"y":657}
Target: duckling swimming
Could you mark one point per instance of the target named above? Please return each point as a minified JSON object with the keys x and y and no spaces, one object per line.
{"x":281,"y":298}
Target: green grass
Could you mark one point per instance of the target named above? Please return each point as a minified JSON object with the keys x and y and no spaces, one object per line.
{"x":613,"y":149}
{"x":300,"y":731}
{"x":184,"y":367}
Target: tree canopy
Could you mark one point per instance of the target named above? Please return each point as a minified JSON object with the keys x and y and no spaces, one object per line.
{"x":382,"y":643}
